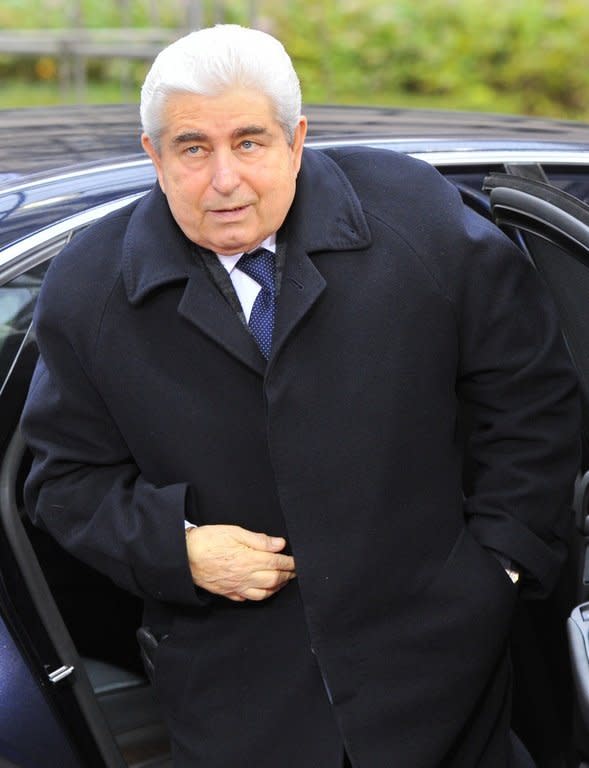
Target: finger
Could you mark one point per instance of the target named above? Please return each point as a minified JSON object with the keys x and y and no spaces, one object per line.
{"x":259,"y":561}
{"x":249,"y":560}
{"x":279,"y":563}
{"x":270,"y":579}
{"x":260,"y":541}
{"x":253,"y":593}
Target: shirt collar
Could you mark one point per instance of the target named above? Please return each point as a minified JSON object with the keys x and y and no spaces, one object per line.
{"x":229,"y":262}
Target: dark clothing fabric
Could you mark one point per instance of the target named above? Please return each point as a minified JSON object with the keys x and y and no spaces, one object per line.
{"x":221,"y":278}
{"x":398,"y":309}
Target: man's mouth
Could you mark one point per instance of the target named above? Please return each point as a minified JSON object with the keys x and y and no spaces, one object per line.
{"x":232,"y":212}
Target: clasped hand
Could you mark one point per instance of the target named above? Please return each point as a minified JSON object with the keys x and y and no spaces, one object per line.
{"x":236,"y":563}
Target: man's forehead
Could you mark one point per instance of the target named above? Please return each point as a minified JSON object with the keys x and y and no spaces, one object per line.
{"x":231,"y":115}
{"x":236,"y":107}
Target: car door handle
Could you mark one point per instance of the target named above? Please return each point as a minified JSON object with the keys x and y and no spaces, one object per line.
{"x":60,"y":674}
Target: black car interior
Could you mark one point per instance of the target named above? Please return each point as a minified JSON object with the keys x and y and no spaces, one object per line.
{"x":554,"y":227}
{"x":73,"y":621}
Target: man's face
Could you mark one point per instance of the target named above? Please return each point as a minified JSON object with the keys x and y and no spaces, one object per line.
{"x":226,"y":167}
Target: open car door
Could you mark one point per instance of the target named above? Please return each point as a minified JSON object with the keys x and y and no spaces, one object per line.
{"x":553,"y":228}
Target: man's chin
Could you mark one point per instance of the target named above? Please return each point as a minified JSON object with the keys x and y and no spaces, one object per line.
{"x":231,"y":246}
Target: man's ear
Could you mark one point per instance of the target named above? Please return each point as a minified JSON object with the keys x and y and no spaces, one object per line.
{"x":155,"y":158}
{"x":298,"y":141}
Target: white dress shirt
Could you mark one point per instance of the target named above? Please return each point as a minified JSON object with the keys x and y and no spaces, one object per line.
{"x":245,"y":286}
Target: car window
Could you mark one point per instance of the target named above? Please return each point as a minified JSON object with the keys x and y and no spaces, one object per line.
{"x":575,"y":182}
{"x":17,"y":301}
{"x":23,"y":265}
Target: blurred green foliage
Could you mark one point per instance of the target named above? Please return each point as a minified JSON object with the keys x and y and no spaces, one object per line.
{"x":523,"y":56}
{"x":519,"y":56}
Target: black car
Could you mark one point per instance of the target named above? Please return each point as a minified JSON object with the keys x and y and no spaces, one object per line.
{"x":73,"y":692}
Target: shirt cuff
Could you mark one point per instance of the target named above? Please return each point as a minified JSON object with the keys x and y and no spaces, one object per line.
{"x":509,"y":566}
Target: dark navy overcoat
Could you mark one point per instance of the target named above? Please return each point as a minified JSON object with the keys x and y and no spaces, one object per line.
{"x":398,"y":310}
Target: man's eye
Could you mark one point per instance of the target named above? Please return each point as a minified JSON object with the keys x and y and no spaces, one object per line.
{"x":194,"y":150}
{"x":248,"y":145}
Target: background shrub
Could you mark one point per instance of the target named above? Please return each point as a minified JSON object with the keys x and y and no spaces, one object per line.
{"x":519,"y":56}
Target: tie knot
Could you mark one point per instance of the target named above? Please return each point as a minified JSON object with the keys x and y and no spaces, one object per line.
{"x":261,"y":266}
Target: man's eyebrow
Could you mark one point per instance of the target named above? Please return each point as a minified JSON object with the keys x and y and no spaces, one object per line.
{"x":201,"y":136}
{"x":249,"y":130}
{"x":184,"y":138}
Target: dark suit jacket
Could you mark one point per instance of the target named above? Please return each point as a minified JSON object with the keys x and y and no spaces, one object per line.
{"x":153,"y":404}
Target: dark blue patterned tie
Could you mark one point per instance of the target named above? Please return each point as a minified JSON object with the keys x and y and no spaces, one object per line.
{"x":260,"y":265}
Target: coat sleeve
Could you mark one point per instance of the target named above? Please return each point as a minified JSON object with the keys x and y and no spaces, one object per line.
{"x":517,"y":383}
{"x":84,"y":487}
{"x":514,"y":376}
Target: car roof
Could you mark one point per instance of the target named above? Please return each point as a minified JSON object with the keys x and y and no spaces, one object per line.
{"x":33,"y":140}
{"x":58,"y":162}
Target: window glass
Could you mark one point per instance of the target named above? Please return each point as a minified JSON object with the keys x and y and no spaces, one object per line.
{"x":17,"y":302}
{"x":575,"y":182}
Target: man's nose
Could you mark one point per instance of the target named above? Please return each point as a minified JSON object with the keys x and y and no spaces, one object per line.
{"x":225,"y":178}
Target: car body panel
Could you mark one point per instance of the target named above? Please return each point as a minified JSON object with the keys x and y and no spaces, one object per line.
{"x":29,"y":729}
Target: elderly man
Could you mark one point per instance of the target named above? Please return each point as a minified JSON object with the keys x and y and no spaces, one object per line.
{"x":246,"y":413}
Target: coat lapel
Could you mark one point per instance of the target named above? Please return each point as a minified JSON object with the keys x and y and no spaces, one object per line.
{"x":203,"y":305}
{"x":302,"y":284}
{"x":157,"y":253}
{"x":326,"y":216}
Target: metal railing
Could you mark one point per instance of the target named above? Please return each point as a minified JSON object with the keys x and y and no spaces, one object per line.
{"x":75,"y":44}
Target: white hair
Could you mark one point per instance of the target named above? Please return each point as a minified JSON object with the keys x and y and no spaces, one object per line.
{"x":210,"y":61}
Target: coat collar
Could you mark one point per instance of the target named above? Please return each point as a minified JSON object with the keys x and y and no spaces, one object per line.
{"x":325,"y":216}
{"x":155,"y":250}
